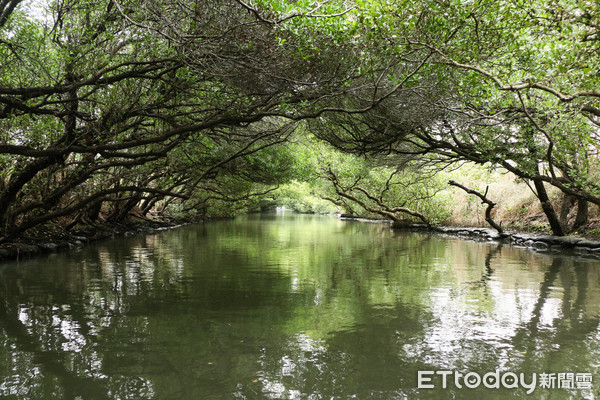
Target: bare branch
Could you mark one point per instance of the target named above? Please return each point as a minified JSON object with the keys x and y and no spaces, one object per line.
{"x":485,"y":200}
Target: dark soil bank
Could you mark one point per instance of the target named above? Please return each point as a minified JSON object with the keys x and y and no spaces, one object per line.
{"x":54,"y":239}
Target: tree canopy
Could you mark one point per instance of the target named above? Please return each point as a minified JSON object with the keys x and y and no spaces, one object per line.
{"x":111,"y":106}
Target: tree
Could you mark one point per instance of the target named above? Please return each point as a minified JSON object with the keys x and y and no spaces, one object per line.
{"x":527,"y":92}
{"x":100,"y":101}
{"x":506,"y":83}
{"x":402,"y":193}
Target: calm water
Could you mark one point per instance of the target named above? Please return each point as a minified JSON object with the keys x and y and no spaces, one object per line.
{"x":293,"y":307}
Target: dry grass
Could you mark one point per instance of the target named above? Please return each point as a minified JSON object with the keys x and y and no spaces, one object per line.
{"x":517,"y":207}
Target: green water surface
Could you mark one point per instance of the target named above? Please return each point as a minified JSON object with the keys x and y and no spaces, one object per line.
{"x":287,"y":306}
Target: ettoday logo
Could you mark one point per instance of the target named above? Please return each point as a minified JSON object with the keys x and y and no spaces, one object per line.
{"x":508,"y":380}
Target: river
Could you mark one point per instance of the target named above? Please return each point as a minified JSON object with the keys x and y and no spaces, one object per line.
{"x":288,"y":306}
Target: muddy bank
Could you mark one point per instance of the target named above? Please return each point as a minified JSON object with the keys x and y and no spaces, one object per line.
{"x":57,"y":240}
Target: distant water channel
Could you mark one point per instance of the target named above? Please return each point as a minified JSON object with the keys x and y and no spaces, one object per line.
{"x":297,"y":307}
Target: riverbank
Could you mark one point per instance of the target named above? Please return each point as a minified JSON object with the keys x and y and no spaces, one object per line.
{"x":53,"y":238}
{"x":579,"y":245}
{"x":537,"y":242}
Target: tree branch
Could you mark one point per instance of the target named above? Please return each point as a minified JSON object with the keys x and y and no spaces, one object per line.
{"x":484,"y":200}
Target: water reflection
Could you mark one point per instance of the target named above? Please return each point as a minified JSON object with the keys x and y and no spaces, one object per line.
{"x":291,"y":307}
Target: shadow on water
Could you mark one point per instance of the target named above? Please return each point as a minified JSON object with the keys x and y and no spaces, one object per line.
{"x":292,"y":307}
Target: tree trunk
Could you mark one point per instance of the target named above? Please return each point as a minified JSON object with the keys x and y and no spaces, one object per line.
{"x":565,"y":207}
{"x":16,"y":182}
{"x":120,"y":213}
{"x":582,"y":214}
{"x":94,"y":211}
{"x":548,"y":209}
{"x":148,"y":204}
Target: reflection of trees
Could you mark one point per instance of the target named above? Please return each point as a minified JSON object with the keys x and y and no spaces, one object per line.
{"x":39,"y":342}
{"x":573,"y":322}
{"x":54,"y":318}
{"x":49,"y":361}
{"x":489,"y":270}
{"x":68,"y":321}
{"x":530,"y":330}
{"x":337,"y":309}
{"x":516,"y":326}
{"x":365,"y":361}
{"x":561,"y":347}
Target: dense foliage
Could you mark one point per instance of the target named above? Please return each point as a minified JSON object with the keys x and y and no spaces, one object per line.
{"x":114,"y":107}
{"x":515,"y":87}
